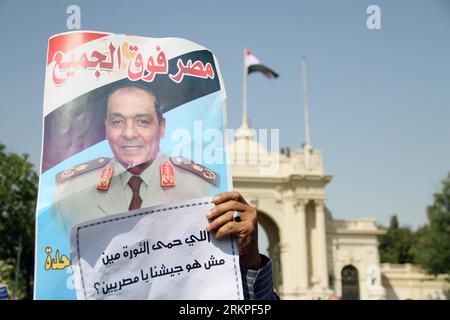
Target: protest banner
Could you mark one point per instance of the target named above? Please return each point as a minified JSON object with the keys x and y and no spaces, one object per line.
{"x":129,"y":123}
{"x":142,"y":255}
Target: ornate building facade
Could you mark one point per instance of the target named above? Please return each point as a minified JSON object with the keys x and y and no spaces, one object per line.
{"x":314,"y":255}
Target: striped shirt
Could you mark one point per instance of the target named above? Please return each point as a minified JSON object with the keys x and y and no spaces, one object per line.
{"x":258,"y":284}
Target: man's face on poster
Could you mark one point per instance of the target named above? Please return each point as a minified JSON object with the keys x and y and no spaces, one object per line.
{"x":133,"y":129}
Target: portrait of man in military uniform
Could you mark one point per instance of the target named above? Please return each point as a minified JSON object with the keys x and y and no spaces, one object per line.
{"x":139,"y":174}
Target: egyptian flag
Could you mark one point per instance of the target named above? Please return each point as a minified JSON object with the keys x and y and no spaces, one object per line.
{"x":254,"y":65}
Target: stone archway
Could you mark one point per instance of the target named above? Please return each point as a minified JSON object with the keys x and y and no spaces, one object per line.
{"x":350,"y":283}
{"x":273,"y":235}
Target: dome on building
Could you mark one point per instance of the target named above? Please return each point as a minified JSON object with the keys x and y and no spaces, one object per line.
{"x":245,"y":147}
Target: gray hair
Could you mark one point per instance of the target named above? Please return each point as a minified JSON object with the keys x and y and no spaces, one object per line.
{"x":158,"y":107}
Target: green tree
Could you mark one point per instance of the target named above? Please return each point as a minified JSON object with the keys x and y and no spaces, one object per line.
{"x":396,"y":246}
{"x":18,"y":194}
{"x":433,"y":245}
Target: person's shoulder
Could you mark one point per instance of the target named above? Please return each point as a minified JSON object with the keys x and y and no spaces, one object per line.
{"x":187,"y":165}
{"x":81,"y":170}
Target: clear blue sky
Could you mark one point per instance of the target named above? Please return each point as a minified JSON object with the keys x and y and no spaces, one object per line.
{"x":379,"y":100}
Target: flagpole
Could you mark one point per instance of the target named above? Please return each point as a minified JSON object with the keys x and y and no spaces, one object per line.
{"x":244,"y":98}
{"x":305,"y":101}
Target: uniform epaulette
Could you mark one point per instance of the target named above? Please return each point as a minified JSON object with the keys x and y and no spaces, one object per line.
{"x":77,"y":170}
{"x":197,"y":169}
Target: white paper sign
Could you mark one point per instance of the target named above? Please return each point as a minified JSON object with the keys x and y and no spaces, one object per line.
{"x":161,"y":252}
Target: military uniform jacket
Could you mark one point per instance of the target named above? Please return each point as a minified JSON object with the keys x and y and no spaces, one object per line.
{"x":77,"y":198}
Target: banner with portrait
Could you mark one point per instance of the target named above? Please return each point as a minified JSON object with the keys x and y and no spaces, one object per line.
{"x":130,"y":124}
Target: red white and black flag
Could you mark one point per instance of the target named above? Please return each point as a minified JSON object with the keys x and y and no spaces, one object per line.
{"x":254,"y":65}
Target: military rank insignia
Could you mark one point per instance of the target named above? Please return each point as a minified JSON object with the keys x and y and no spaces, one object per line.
{"x":80,"y":169}
{"x":105,"y":178}
{"x":197,"y":169}
{"x":167,"y":175}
